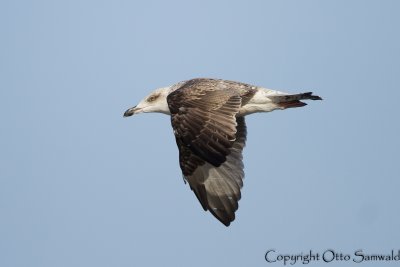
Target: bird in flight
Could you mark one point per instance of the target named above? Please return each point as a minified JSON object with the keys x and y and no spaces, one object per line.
{"x":207,"y":117}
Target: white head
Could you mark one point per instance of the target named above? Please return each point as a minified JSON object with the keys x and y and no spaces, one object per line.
{"x":155,"y":102}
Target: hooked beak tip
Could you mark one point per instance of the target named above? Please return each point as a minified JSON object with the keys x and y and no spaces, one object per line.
{"x":130,"y":112}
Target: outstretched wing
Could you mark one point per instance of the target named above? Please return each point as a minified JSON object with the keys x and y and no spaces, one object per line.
{"x":217,"y":188}
{"x":210,"y":140}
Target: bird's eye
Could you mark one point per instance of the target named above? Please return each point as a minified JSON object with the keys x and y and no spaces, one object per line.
{"x":152,"y":98}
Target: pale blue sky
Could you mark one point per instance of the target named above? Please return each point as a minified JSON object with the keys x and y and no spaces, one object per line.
{"x":81,"y":186}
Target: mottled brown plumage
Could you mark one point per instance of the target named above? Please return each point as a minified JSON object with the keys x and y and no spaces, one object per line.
{"x":207,"y":116}
{"x":207,"y":131}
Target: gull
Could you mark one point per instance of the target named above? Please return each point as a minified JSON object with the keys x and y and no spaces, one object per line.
{"x":207,"y":117}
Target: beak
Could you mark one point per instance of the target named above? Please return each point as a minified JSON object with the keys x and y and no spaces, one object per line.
{"x":131,"y":111}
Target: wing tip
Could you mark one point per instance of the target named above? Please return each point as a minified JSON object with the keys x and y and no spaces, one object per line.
{"x":224,"y":218}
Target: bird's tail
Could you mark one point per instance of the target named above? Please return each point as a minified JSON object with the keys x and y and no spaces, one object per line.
{"x":293,"y":101}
